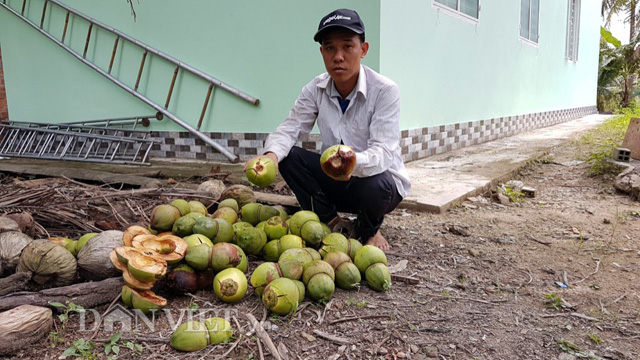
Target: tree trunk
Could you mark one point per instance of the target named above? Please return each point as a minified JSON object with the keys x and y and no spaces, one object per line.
{"x":632,"y":20}
{"x":88,"y":294}
{"x":16,"y":282}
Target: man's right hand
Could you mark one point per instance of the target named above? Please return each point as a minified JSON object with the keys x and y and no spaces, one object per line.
{"x":269,"y":155}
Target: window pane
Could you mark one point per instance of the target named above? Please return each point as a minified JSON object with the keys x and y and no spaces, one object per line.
{"x":469,"y":7}
{"x":450,"y":3}
{"x":524,"y":18}
{"x":535,"y":10}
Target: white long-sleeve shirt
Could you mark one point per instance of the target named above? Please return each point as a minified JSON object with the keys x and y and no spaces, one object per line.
{"x":371,"y":124}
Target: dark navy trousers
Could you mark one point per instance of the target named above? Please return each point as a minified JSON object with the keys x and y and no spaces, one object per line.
{"x":368,"y":197}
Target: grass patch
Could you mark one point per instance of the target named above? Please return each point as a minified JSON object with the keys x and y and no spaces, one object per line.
{"x":598,"y":144}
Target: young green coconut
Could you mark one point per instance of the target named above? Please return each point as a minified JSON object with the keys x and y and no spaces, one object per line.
{"x":281,"y":296}
{"x":226,"y":213}
{"x":378,"y":277}
{"x":253,"y":213}
{"x":218,"y":257}
{"x":372,"y":262}
{"x":217,"y":230}
{"x":230,"y":285}
{"x":275,"y":227}
{"x":347,"y":273}
{"x":261,"y":171}
{"x":269,"y":271}
{"x":313,"y":232}
{"x":319,"y":279}
{"x":274,"y":248}
{"x":196,"y":239}
{"x":297,"y":220}
{"x":196,"y":335}
{"x":163,"y":216}
{"x":251,"y":240}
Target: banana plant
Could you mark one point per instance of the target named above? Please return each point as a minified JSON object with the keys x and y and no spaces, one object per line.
{"x":617,"y":72}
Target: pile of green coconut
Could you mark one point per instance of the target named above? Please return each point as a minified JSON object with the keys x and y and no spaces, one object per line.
{"x":193,"y":250}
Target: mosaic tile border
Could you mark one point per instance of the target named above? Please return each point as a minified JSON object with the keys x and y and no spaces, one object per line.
{"x":416,"y":143}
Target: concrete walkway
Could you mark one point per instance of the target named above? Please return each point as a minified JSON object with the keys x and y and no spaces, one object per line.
{"x":440,"y":181}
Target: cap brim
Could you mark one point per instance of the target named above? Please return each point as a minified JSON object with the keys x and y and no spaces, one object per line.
{"x":320,"y":34}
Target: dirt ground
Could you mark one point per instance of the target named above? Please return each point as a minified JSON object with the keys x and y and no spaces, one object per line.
{"x":550,"y":277}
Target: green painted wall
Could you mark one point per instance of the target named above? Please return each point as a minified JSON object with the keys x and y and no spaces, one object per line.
{"x":263,"y":48}
{"x":450,"y":70}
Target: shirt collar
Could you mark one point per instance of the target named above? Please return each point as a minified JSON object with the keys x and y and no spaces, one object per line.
{"x":361,"y":85}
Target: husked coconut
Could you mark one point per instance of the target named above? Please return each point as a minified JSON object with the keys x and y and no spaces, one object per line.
{"x":11,"y":245}
{"x":23,"y":326}
{"x":8,"y":224}
{"x":215,"y":187}
{"x":51,"y":264}
{"x":93,"y":259}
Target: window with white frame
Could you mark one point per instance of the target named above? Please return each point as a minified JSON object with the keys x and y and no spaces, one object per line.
{"x":529,"y":19}
{"x":469,"y":8}
{"x":573,"y":29}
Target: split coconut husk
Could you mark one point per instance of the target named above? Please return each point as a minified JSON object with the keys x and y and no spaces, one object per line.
{"x":169,"y":248}
{"x":23,"y":326}
{"x":11,"y":245}
{"x":51,"y":264}
{"x":143,"y":300}
{"x":93,"y":259}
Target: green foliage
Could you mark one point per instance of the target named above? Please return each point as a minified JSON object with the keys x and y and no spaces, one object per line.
{"x":112,"y":349}
{"x":80,"y":349}
{"x":67,"y":310}
{"x":600,"y":142}
{"x":57,"y":337}
{"x":617,"y":72}
{"x":595,"y":339}
{"x":609,"y":38}
{"x":553,"y":301}
{"x":351,"y":301}
{"x":446,"y":294}
{"x":193,"y":307}
{"x":513,"y":194}
{"x":568,"y":347}
{"x":360,"y":304}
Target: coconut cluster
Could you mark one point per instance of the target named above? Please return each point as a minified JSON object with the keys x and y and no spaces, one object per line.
{"x":185,"y":248}
{"x":56,"y":261}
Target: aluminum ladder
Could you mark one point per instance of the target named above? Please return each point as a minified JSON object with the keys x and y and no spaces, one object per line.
{"x":147,"y":53}
{"x":106,"y":141}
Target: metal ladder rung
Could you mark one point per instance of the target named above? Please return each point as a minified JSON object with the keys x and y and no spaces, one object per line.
{"x":36,"y":142}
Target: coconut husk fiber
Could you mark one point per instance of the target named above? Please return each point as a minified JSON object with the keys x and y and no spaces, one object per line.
{"x":93,"y":259}
{"x":23,"y":326}
{"x":51,"y":264}
{"x":7,"y":224}
{"x":11,"y":245}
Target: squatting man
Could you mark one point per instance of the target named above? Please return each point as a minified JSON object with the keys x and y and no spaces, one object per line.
{"x":354,"y":106}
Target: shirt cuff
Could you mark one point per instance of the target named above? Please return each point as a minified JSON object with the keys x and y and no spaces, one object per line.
{"x":362,"y":160}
